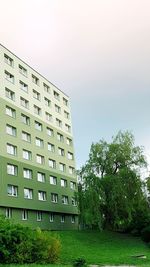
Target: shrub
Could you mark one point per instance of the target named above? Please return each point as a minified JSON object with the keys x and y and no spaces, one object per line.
{"x":79,"y":262}
{"x":46,"y":247}
{"x":145,"y":234}
{"x":19,"y":244}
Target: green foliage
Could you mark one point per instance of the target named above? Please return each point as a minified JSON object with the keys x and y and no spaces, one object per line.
{"x":146,"y":234}
{"x":111,"y":193}
{"x":79,"y":262}
{"x":46,"y":247}
{"x":20,"y":244}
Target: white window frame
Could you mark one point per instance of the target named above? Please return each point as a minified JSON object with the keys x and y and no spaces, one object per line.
{"x":24,"y":215}
{"x":26,"y":154}
{"x":9,"y":94}
{"x":41,"y":177}
{"x":11,"y":130}
{"x":54,"y":198}
{"x":12,"y":190}
{"x":65,"y":200}
{"x":40,"y":159}
{"x":27,"y":173}
{"x":51,"y":217}
{"x":41,"y":195}
{"x":52,"y":163}
{"x":11,"y":149}
{"x":53,"y":180}
{"x":10,"y":112}
{"x":26,"y":136}
{"x":39,"y":215}
{"x":28,"y":193}
{"x":8,"y":213}
{"x":63,"y":182}
{"x":12,"y":169}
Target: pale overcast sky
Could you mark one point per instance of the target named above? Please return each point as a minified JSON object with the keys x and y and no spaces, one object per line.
{"x":96,"y":51}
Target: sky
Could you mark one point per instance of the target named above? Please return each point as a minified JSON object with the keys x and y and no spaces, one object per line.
{"x":97,"y":52}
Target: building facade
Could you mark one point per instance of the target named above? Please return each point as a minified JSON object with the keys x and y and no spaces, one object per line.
{"x":37,"y":166}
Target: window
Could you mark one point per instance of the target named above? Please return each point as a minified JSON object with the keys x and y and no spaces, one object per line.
{"x":22,"y":70}
{"x":26,"y":136}
{"x":37,"y":110}
{"x":63,"y":182}
{"x":51,"y":147}
{"x":42,"y":195}
{"x":62,"y":218}
{"x":23,"y":86}
{"x":38,"y":126}
{"x":66,"y":114}
{"x":62,"y":167}
{"x":72,"y":218}
{"x":68,"y":128}
{"x":65,"y":200}
{"x":50,"y":131}
{"x":9,"y":94}
{"x":11,"y":130}
{"x":39,"y":216}
{"x":65,"y":101}
{"x":54,"y":198}
{"x":73,"y":200}
{"x":27,"y":173}
{"x":60,"y":137}
{"x":12,"y":169}
{"x":61,"y":151}
{"x":52,"y":163}
{"x":40,"y":159}
{"x":35,"y":80}
{"x":57,"y":109}
{"x":69,"y":141}
{"x":25,"y":119}
{"x":36,"y":95}
{"x":59,"y":123}
{"x":12,"y":190}
{"x":24,"y":102}
{"x":8,"y":213}
{"x":10,"y":112}
{"x":24,"y":215}
{"x":39,"y":142}
{"x":70,"y":155}
{"x":8,"y":60}
{"x":56,"y":95}
{"x":72,"y":185}
{"x":51,"y":217}
{"x":47,"y":102}
{"x":11,"y":149}
{"x":48,"y":116}
{"x":28,"y":193}
{"x":9,"y":77}
{"x":46,"y":88}
{"x":53,"y":180}
{"x":41,"y":177}
{"x":71,"y":170}
{"x":27,"y":154}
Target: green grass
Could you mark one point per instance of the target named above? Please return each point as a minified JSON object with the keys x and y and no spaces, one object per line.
{"x":103,"y":248}
{"x":99,"y":248}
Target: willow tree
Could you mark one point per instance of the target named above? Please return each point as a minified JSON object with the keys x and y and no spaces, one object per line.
{"x":111,"y":192}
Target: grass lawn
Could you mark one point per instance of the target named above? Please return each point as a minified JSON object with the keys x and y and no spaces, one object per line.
{"x":103,"y":248}
{"x":99,"y":248}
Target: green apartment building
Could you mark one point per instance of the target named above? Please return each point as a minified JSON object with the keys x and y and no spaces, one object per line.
{"x":37,"y":167}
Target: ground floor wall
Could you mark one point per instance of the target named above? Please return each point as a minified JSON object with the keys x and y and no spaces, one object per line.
{"x":44,"y":220}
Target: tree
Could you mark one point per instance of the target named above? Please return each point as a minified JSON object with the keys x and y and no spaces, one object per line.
{"x":111,"y":191}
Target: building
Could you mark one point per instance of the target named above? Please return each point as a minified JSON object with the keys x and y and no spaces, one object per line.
{"x":37,"y":167}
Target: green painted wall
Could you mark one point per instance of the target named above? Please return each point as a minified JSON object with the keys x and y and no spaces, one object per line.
{"x":32,"y":205}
